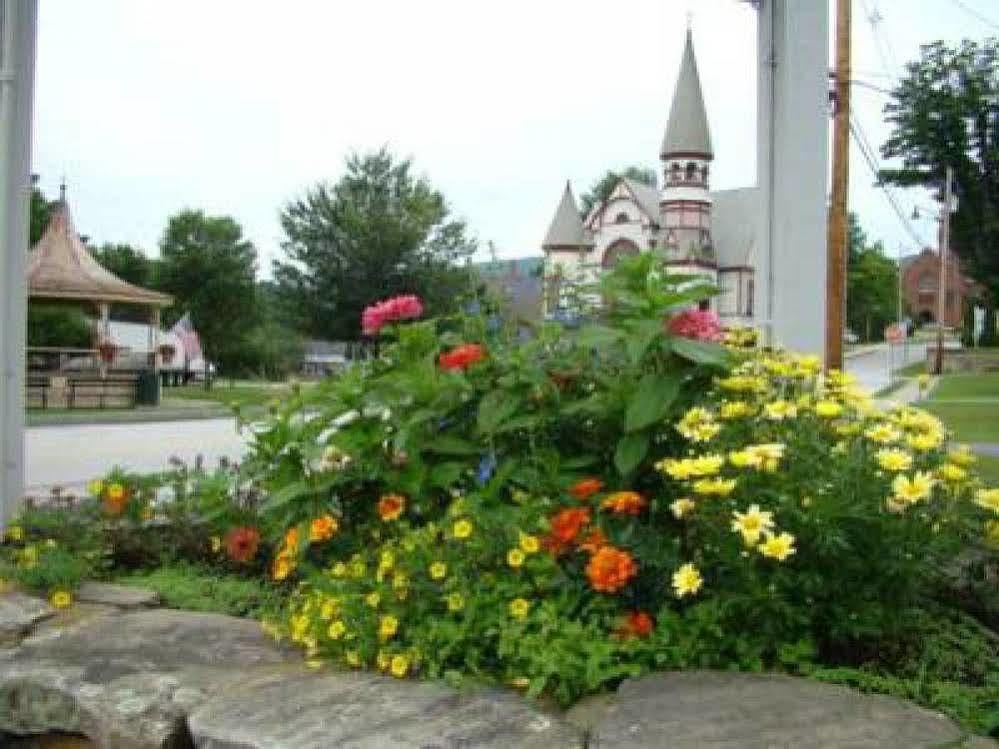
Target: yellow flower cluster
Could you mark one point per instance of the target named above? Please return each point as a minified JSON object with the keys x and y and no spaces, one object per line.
{"x":698,"y":425}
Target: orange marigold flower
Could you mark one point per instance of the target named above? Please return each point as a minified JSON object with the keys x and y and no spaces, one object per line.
{"x":636,"y":624}
{"x":462,"y":357}
{"x":390,"y":506}
{"x":241,"y":543}
{"x":284,"y":563}
{"x":586,"y":488}
{"x":323,"y":528}
{"x":610,"y":569}
{"x":566,"y":524}
{"x":593,"y":541}
{"x":624,"y":503}
{"x":291,"y":540}
{"x":115,"y":499}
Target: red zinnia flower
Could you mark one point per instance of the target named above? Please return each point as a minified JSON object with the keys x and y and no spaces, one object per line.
{"x":636,"y":624}
{"x":585,"y":488}
{"x":565,"y":527}
{"x":701,"y":325}
{"x":624,"y":503}
{"x":462,"y":357}
{"x":380,"y":314}
{"x":241,"y":543}
{"x":610,"y":569}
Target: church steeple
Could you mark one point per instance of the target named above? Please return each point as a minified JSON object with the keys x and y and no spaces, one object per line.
{"x":687,"y":131}
{"x":566,"y":231}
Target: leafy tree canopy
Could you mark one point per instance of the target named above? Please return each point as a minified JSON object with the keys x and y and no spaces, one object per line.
{"x":127,"y":262}
{"x":871,"y":285}
{"x":944,"y":112}
{"x":210,"y":267}
{"x":604,"y":186}
{"x":377,"y":232}
{"x":40,"y":213}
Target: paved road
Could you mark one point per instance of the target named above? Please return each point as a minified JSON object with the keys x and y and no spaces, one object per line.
{"x":72,"y":455}
{"x":871,"y":367}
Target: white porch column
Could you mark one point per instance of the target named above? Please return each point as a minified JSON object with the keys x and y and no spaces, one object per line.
{"x":154,"y":335}
{"x":104,"y":336}
{"x":18,"y":22}
{"x":793,"y":171}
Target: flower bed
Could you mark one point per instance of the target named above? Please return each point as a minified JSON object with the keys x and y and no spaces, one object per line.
{"x":557,"y":514}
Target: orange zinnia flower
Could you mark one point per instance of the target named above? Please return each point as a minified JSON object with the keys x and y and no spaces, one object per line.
{"x":567,"y":523}
{"x":636,"y":624}
{"x":462,"y":357}
{"x":323,"y":528}
{"x":241,"y":543}
{"x":390,"y":506}
{"x":585,"y":488}
{"x":593,"y":541}
{"x":610,"y":569}
{"x":624,"y":503}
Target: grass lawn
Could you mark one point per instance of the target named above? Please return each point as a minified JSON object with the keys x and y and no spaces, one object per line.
{"x":988,"y":468}
{"x":237,"y":394}
{"x":967,"y":386}
{"x":971,"y":422}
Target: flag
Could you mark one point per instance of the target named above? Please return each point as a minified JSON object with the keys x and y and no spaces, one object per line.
{"x":184,"y":330}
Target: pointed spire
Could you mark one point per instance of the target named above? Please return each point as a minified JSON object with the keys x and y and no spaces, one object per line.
{"x":687,"y":127}
{"x":566,"y":230}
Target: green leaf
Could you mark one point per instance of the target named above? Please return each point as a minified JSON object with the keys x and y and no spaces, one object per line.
{"x":285,"y":495}
{"x":450,"y":445}
{"x":631,"y":450}
{"x":527,"y":421}
{"x":701,"y":352}
{"x":641,"y":336}
{"x":651,"y":401}
{"x":597,"y":336}
{"x":494,"y":409}
{"x":446,"y":475}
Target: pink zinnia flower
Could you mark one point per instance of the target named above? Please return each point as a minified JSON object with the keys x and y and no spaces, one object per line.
{"x":379,"y":314}
{"x":699,"y":324}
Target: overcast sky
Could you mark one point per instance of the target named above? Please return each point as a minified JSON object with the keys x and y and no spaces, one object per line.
{"x":237,"y":107}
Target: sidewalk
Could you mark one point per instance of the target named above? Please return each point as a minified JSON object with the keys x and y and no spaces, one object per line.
{"x":170,"y":409}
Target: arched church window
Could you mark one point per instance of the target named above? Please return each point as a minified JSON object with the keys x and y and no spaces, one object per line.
{"x":621,"y":218}
{"x":618,"y":250}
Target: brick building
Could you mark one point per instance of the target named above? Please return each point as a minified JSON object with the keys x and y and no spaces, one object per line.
{"x":920,"y":279}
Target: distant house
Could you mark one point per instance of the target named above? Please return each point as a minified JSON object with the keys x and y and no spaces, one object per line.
{"x":517,"y":283}
{"x":920,"y":281}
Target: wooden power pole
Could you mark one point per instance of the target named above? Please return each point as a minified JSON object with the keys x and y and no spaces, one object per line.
{"x":837,"y":237}
{"x":944,"y":239}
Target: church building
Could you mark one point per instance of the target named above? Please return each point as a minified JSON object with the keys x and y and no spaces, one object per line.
{"x":696,"y":231}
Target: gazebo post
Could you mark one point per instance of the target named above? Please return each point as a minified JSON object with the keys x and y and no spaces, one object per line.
{"x":154,"y":339}
{"x":104,"y":335}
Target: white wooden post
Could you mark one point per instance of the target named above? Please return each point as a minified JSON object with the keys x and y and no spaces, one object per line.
{"x":104,"y":337}
{"x":18,"y":22}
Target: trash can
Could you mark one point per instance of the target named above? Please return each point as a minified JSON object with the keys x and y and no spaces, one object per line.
{"x":147,"y":389}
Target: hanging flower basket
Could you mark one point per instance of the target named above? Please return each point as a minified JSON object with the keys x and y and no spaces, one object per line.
{"x":167,"y":352}
{"x":107,"y":351}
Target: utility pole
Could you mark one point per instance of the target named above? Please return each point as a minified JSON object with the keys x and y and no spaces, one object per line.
{"x":948,"y":198}
{"x":837,"y":236}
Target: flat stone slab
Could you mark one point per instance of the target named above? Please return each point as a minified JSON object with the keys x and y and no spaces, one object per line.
{"x":122,"y":596}
{"x":128,"y":680}
{"x":367,"y":711}
{"x":702,"y":709}
{"x":19,"y":613}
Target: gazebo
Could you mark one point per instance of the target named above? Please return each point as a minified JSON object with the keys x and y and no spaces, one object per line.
{"x":61,"y":269}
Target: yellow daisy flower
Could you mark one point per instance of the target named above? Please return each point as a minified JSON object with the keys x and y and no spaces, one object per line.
{"x":988,"y":498}
{"x":462,"y":529}
{"x":752,"y":523}
{"x":778,"y":547}
{"x":687,"y":580}
{"x":529,"y":544}
{"x":438,"y":571}
{"x":519,"y":608}
{"x":399,"y":666}
{"x":336,"y":630}
{"x":682,"y":507}
{"x":714,"y":487}
{"x":387,"y":627}
{"x":61,"y":599}
{"x":455,"y":602}
{"x":515,"y":558}
{"x":828,"y":409}
{"x":893,"y":459}
{"x":780,"y":410}
{"x":910,"y":490}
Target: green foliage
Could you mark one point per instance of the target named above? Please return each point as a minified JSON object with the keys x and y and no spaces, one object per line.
{"x":40,"y":213}
{"x":942,"y":114}
{"x":871,"y":286}
{"x":377,"y":232}
{"x":197,"y":587}
{"x":209,"y":268}
{"x":127,"y":262}
{"x":58,"y":325}
{"x":604,"y":186}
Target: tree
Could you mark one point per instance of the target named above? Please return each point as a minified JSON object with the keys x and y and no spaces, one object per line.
{"x":210,"y":267}
{"x":943,"y":113}
{"x":871,"y":285}
{"x":604,"y":186}
{"x":40,"y":214}
{"x":127,"y":262}
{"x":377,"y":232}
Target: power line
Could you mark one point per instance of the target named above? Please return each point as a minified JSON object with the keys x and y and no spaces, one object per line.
{"x":972,"y":12}
{"x":871,"y":86}
{"x":871,"y":160}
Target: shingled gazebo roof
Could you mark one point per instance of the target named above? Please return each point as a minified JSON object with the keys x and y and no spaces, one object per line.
{"x":60,"y":267}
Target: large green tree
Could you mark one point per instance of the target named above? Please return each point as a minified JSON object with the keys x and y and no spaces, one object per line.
{"x":376,"y":232}
{"x":127,"y":262}
{"x":871,"y":285}
{"x":209,"y":267}
{"x":945,"y":112}
{"x":40,"y":214}
{"x":603,"y":187}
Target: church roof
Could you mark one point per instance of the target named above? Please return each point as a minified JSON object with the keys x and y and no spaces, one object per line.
{"x":647,"y":197}
{"x":60,"y":267}
{"x":566,"y":230}
{"x":687,"y":127}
